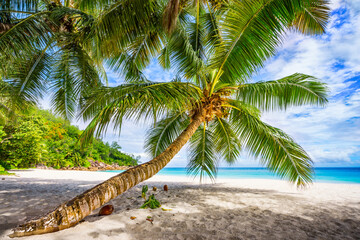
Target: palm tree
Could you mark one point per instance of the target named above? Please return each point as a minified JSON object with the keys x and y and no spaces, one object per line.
{"x":58,"y":47}
{"x":216,"y":48}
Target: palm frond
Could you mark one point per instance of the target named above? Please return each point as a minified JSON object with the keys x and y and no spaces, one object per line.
{"x":18,"y":5}
{"x":9,"y":104}
{"x":73,"y":75}
{"x":72,"y":21}
{"x":135,"y":101}
{"x":226,"y":142}
{"x":94,"y":6}
{"x":183,"y":57}
{"x":30,"y":33}
{"x":124,"y":21}
{"x":252,"y":30}
{"x":273,"y":147}
{"x":313,"y":18}
{"x":196,"y":31}
{"x":164,"y":132}
{"x":202,"y":154}
{"x":295,"y":90}
{"x":137,"y":56}
{"x":28,"y":77}
{"x":213,"y":35}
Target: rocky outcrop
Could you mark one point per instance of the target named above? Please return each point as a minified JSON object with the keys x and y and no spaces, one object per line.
{"x":98,"y":166}
{"x":42,"y":166}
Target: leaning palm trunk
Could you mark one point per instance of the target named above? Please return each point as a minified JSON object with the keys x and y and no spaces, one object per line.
{"x":70,"y":213}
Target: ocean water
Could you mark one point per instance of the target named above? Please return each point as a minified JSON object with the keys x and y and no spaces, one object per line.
{"x":335,"y":175}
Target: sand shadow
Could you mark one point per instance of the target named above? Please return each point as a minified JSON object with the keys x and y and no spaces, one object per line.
{"x":238,"y":223}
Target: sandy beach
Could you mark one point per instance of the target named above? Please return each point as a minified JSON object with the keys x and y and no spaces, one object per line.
{"x":229,"y":209}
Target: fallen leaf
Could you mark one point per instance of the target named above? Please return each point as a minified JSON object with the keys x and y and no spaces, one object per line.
{"x":164,"y":209}
{"x":132,"y":217}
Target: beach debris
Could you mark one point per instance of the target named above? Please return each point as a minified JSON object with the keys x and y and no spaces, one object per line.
{"x":144,"y":191}
{"x":164,"y":209}
{"x":154,"y":188}
{"x":151,"y":203}
{"x":132,"y":218}
{"x":150,"y":219}
{"x":106,"y":210}
{"x":3,"y":179}
{"x":166,"y":188}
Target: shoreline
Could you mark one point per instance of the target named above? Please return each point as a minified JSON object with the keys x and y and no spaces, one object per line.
{"x":229,"y":209}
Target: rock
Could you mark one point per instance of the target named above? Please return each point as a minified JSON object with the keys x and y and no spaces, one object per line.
{"x":106,"y":210}
{"x":3,"y":179}
{"x":166,"y":188}
{"x":42,"y":166}
{"x":154,"y":188}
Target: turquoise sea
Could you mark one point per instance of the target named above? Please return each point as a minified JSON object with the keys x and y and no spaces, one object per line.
{"x":336,"y":175}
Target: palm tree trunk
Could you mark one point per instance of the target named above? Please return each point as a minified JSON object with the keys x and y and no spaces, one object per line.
{"x":70,"y":213}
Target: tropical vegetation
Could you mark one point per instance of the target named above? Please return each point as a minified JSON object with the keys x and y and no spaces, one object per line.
{"x":215,"y":48}
{"x":40,"y":138}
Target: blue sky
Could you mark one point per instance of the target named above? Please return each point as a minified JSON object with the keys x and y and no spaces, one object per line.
{"x":331,"y":135}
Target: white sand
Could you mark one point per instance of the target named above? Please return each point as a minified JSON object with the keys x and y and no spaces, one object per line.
{"x":229,"y":209}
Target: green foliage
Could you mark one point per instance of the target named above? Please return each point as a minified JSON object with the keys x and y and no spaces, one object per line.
{"x":2,"y":133}
{"x":202,"y":157}
{"x":144,"y":191}
{"x":151,"y":203}
{"x":42,"y":138}
{"x":6,"y":173}
{"x":165,"y":132}
{"x":25,"y":148}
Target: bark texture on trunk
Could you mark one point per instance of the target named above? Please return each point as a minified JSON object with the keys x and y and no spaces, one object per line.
{"x":70,"y":213}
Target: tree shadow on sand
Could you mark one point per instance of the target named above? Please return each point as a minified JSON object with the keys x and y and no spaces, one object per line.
{"x":210,"y":220}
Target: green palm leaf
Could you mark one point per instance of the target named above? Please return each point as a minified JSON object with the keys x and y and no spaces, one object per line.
{"x":164,"y":132}
{"x":252,"y":30}
{"x":181,"y":55}
{"x":202,"y":154}
{"x":137,"y":56}
{"x":124,"y":21}
{"x":28,"y":77}
{"x":29,"y":33}
{"x":226,"y":142}
{"x":73,"y":75}
{"x":295,"y":90}
{"x":313,"y":18}
{"x":136,"y":101}
{"x":275,"y":149}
